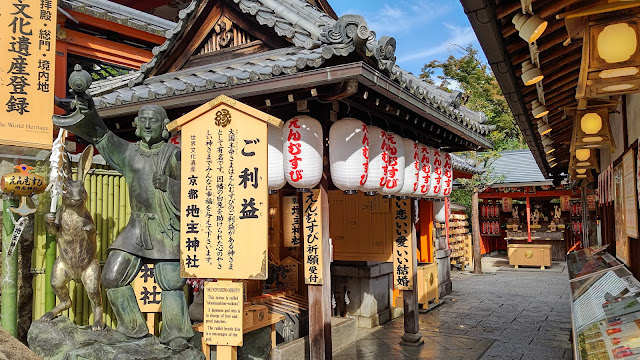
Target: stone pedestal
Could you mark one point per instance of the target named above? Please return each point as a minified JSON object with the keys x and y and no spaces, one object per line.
{"x":369,"y":286}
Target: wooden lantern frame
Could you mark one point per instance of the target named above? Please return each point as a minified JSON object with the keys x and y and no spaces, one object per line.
{"x":590,"y":82}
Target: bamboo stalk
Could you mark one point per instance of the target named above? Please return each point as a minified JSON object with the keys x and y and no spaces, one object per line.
{"x":9,"y":298}
{"x":72,"y":294}
{"x":104,"y":236}
{"x":50,"y":258}
{"x":123,"y":203}
{"x":97,"y":217}
{"x":115,"y":210}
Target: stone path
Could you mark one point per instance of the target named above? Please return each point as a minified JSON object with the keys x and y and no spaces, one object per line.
{"x":523,"y":314}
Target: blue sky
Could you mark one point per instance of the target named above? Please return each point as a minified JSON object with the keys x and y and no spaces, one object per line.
{"x":424,"y":29}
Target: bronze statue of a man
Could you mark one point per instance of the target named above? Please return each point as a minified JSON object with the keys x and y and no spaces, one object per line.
{"x":151,"y":168}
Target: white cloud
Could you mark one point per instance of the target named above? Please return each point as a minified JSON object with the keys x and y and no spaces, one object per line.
{"x":458,"y":35}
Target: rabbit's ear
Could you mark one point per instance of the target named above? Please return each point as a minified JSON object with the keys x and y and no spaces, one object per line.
{"x":69,"y":169}
{"x":84,"y":163}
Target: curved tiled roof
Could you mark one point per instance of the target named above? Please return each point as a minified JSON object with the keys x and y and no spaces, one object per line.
{"x":461,"y":164}
{"x":316,"y":38}
{"x":120,"y":14}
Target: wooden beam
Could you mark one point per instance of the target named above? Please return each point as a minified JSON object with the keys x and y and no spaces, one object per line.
{"x":118,"y":28}
{"x":506,"y":8}
{"x":196,"y":39}
{"x":555,"y":38}
{"x":101,"y":49}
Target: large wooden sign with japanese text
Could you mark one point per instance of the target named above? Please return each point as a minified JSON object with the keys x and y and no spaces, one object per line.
{"x":223,"y":313}
{"x":629,"y":180}
{"x":312,"y":237}
{"x":148,"y":292}
{"x":27,"y":71}
{"x":403,"y":251}
{"x":224,"y":201}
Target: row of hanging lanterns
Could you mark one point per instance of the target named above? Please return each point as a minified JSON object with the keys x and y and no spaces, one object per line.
{"x":362,"y":158}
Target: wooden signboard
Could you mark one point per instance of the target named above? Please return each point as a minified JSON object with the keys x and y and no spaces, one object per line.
{"x":631,"y":211}
{"x":622,"y":241}
{"x":291,"y":266}
{"x":403,"y":252}
{"x":291,"y":221}
{"x":224,"y":202}
{"x":312,"y":237}
{"x":148,"y":292}
{"x":27,"y":71}
{"x":223,"y":313}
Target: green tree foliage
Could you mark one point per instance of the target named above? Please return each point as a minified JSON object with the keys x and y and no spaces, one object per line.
{"x":469,"y":74}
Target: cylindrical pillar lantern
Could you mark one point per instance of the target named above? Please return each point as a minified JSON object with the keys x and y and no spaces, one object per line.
{"x":349,"y":154}
{"x":437,"y":160}
{"x":439,"y":211}
{"x":447,"y":175}
{"x":411,"y":168}
{"x":378,"y":161}
{"x":275,"y":179}
{"x":395,"y":165}
{"x":424,"y":176}
{"x":302,"y":151}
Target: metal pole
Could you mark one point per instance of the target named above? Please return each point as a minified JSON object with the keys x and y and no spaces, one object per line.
{"x":8,"y":306}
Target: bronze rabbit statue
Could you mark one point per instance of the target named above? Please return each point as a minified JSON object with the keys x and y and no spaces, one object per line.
{"x":77,"y":245}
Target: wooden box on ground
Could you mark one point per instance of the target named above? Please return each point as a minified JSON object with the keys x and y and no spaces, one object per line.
{"x":427,"y":283}
{"x":529,"y":255}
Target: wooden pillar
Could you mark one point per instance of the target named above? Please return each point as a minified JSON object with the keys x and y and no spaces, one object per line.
{"x":528,"y":220}
{"x":585,"y":217}
{"x":320,"y":295}
{"x":412,"y":335}
{"x":426,"y":231}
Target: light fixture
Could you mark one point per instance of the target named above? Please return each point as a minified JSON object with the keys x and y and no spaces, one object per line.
{"x":583,"y":154}
{"x":549,"y":149}
{"x":543,"y":128}
{"x":591,"y":128}
{"x":611,"y":61}
{"x":591,"y":123}
{"x":531,"y":74}
{"x":529,"y":27}
{"x":552,"y":165}
{"x":582,"y":176}
{"x":538,"y":110}
{"x":550,"y":158}
{"x":581,"y":171}
{"x":583,"y":163}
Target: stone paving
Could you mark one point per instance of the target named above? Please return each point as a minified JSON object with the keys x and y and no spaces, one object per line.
{"x":506,"y":314}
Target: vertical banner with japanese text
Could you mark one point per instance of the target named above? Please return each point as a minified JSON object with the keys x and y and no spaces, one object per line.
{"x":224,"y":201}
{"x":403,"y":251}
{"x":147,"y":290}
{"x":27,"y":71}
{"x":629,"y":188}
{"x":291,"y":223}
{"x":312,"y":237}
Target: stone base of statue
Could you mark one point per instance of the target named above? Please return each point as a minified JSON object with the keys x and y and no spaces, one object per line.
{"x":62,"y":339}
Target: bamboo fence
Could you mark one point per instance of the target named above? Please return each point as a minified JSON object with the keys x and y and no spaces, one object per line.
{"x":108,"y":203}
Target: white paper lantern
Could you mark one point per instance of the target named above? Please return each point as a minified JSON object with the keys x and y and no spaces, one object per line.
{"x":275,"y":159}
{"x":395,"y":164}
{"x":447,"y":175}
{"x":411,"y":167}
{"x":425,"y":171}
{"x":378,"y":161}
{"x":302,"y":150}
{"x":436,"y":158}
{"x":439,"y":213}
{"x":349,"y":154}
{"x":291,"y":221}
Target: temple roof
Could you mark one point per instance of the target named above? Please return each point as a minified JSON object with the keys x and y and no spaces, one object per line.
{"x":120,"y":14}
{"x":315,"y":38}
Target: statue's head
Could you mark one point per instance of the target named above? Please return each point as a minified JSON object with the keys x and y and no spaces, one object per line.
{"x":151,"y":124}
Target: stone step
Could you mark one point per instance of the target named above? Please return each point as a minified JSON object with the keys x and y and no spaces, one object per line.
{"x":343,"y":333}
